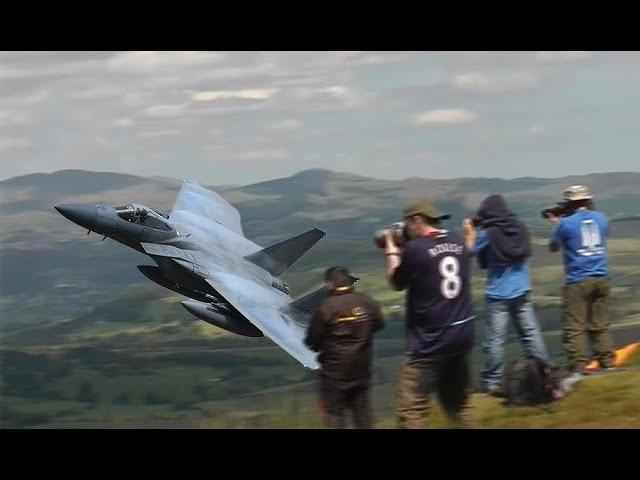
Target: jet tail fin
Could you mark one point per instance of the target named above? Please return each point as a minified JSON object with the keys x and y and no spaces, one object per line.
{"x":308,"y":303}
{"x":277,"y":258}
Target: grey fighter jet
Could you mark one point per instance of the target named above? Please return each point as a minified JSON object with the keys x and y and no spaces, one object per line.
{"x":201,"y":252}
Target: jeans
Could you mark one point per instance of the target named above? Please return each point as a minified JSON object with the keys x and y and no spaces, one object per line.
{"x":520,"y":311}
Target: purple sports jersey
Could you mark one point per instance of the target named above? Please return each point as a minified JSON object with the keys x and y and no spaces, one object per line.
{"x":435,"y":269}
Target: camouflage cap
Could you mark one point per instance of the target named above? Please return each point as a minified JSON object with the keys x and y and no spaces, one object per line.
{"x":424,"y":207}
{"x":577,"y":192}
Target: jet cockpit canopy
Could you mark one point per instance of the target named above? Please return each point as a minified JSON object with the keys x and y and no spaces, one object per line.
{"x":142,"y":215}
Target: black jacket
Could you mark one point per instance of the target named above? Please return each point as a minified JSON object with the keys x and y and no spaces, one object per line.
{"x":509,"y":239}
{"x":342,"y":329}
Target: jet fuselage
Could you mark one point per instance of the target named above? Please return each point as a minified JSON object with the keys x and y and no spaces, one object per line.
{"x":179,"y":269}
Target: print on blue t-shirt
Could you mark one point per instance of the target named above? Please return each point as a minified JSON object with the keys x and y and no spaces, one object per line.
{"x":583,"y":237}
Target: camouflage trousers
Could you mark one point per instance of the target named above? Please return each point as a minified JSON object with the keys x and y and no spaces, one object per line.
{"x":586,"y":309}
{"x":421,"y":378}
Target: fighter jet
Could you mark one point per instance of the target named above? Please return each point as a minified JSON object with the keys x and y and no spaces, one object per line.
{"x":200,"y":251}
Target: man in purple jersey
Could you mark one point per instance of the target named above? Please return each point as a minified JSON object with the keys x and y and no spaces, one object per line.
{"x":434,"y":268}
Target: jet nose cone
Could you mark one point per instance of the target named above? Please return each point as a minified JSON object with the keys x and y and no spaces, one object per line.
{"x":84,"y":215}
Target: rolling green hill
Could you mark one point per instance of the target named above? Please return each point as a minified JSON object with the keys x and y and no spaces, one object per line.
{"x":86,"y":340}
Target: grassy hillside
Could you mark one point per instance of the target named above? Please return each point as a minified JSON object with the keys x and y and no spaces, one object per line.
{"x":86,"y":340}
{"x":138,"y":359}
{"x":610,"y":400}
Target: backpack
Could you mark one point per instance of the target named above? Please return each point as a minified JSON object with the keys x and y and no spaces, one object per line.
{"x":530,"y":381}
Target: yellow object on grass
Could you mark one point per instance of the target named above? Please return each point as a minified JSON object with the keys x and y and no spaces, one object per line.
{"x":621,"y":356}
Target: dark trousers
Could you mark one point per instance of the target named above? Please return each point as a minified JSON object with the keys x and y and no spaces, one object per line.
{"x":338,"y":398}
{"x":586,"y":308}
{"x":421,"y":377}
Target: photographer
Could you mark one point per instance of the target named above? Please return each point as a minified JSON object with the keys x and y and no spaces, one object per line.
{"x":434,"y":267}
{"x":582,"y":235}
{"x":502,"y":248}
{"x":342,"y":330}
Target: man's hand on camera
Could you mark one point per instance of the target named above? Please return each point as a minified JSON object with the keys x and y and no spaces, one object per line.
{"x":390,"y":244}
{"x":392,"y":254}
{"x":467,"y":227}
{"x":469,"y":233}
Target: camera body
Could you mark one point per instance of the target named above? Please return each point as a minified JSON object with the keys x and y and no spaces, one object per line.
{"x":560,"y":209}
{"x":398,"y":232}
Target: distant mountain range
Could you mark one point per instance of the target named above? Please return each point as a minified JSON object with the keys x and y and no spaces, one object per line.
{"x":42,"y":254}
{"x":342,"y":204}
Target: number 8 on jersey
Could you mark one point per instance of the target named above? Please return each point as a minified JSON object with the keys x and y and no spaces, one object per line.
{"x":451,"y":282}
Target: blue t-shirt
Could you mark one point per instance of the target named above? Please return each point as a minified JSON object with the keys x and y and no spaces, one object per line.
{"x":503,"y":282}
{"x":583,"y":237}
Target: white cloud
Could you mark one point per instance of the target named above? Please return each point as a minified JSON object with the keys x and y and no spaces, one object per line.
{"x":67,"y":103}
{"x":146,"y":62}
{"x":159,"y":133}
{"x":323,"y":98}
{"x":448,"y":116}
{"x":15,"y":118}
{"x":42,"y":70}
{"x":337,"y":91}
{"x":381,"y":58}
{"x":536,"y":129}
{"x":104,"y":142}
{"x":252,"y":94}
{"x":27,"y":100}
{"x":96,"y":93}
{"x":216,"y":132}
{"x":165,"y":111}
{"x":11,"y":143}
{"x":123,"y":122}
{"x":494,"y":82}
{"x":214,"y":148}
{"x":309,"y":99}
{"x":7,"y":72}
{"x":286,"y":125}
{"x":348,"y":96}
{"x":562,"y":56}
{"x":473,"y":80}
{"x":385,"y":144}
{"x":264,"y":154}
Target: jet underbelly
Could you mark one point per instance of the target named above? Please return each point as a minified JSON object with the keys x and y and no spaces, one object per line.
{"x":176,"y":272}
{"x":156,"y":275}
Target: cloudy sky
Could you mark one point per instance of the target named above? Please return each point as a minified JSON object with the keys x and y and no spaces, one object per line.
{"x":241,"y":117}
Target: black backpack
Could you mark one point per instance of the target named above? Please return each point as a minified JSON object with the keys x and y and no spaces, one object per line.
{"x":529,"y":381}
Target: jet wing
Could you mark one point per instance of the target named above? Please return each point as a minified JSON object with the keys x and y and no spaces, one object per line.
{"x":279,"y":326}
{"x":196,"y":205}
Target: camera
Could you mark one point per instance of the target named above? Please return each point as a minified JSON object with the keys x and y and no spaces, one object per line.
{"x":558,"y":210}
{"x":398,"y":232}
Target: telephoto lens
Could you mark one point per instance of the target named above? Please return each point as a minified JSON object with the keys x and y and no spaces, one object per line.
{"x":398,"y":232}
{"x":558,"y":210}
